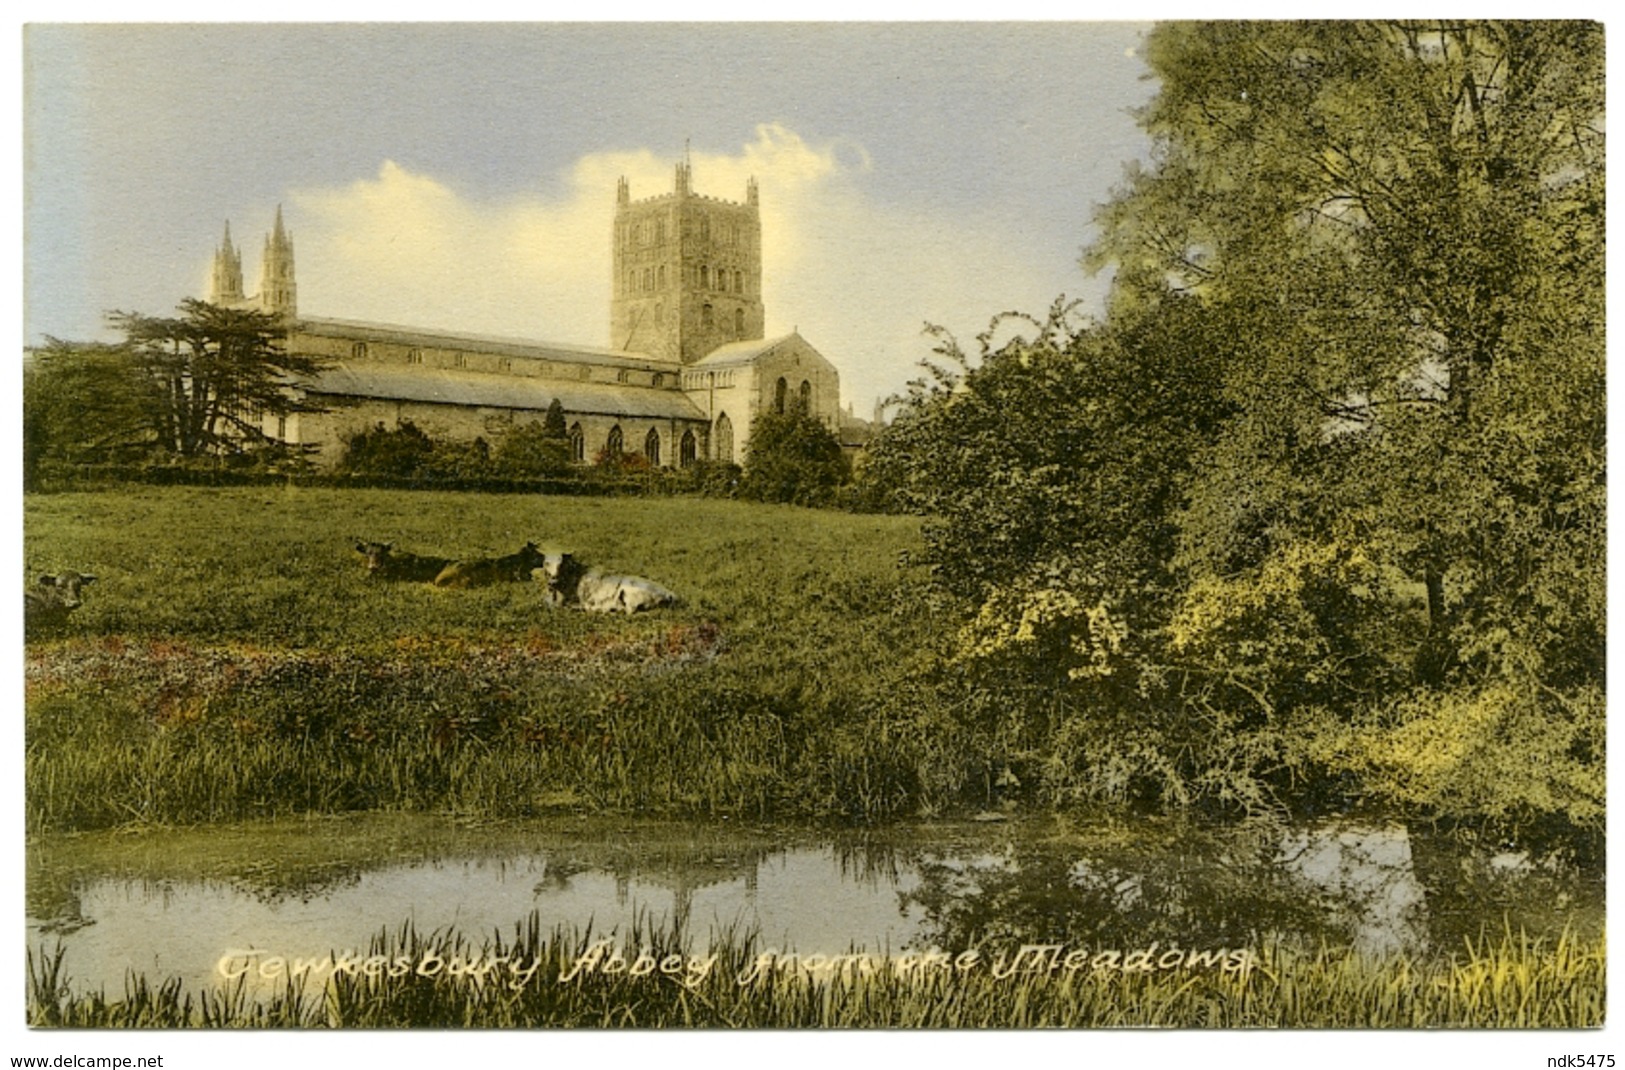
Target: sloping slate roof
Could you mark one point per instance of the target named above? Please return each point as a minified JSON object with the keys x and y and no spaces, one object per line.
{"x":744,"y":352}
{"x":405,"y":382}
{"x":361,"y":330}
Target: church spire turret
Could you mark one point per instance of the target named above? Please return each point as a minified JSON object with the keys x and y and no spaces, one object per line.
{"x":278,"y":294}
{"x":226,"y":283}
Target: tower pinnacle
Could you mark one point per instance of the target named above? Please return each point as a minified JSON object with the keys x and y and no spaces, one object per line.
{"x":277,"y":292}
{"x":226,"y":281}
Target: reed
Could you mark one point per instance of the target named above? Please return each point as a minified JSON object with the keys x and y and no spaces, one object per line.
{"x":1505,"y":982}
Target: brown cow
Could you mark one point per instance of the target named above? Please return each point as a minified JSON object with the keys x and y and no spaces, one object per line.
{"x":384,"y":563}
{"x":515,"y":568}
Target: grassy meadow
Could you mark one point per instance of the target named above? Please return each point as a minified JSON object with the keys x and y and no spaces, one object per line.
{"x":233,"y":661}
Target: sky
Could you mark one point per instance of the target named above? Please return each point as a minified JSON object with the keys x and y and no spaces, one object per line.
{"x":463,"y":177}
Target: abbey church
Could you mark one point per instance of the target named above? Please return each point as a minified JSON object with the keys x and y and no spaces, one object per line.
{"x":685,"y":371}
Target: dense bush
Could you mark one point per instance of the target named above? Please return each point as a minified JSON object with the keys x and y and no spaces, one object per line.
{"x":1316,"y":517}
{"x":401,"y":452}
{"x":793,"y":458}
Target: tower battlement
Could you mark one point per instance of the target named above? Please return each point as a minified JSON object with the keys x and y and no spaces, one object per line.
{"x":687,"y":271}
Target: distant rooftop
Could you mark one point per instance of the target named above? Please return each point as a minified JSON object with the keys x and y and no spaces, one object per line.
{"x":457,"y":386}
{"x":484,"y":343}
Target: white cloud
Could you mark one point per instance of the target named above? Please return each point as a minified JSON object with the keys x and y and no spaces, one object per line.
{"x":856,"y":277}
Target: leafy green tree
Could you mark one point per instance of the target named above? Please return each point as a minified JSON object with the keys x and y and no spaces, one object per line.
{"x":536,"y":449}
{"x":82,"y":403}
{"x":215,"y":374}
{"x":402,"y":452}
{"x":1052,"y":469}
{"x":793,"y":457}
{"x":553,"y":424}
{"x":1395,"y":230}
{"x":1317,"y":514}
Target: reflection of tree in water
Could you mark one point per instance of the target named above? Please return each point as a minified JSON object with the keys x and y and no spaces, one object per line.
{"x":683,"y":867}
{"x":1198,"y":888}
{"x":1375,"y":888}
{"x":1474,"y":892}
{"x":1199,"y":891}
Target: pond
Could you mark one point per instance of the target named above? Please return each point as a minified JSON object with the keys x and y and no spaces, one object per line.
{"x":181,"y":904}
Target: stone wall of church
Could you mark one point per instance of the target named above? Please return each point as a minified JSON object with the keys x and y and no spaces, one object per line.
{"x":460,"y":423}
{"x":789,"y":379}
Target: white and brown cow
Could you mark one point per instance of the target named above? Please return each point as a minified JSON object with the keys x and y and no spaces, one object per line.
{"x":572,"y":583}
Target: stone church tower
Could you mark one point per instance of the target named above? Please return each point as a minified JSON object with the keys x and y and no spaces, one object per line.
{"x":687,"y":272}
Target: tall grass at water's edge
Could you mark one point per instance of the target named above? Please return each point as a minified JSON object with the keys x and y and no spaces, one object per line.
{"x":1507,"y":982}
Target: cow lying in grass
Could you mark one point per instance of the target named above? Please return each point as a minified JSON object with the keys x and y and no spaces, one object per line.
{"x":384,"y":563}
{"x":570,"y":582}
{"x":46,"y":607}
{"x":515,"y":568}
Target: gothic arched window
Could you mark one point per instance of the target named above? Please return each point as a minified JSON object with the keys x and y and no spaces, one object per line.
{"x":613,"y":444}
{"x":722,"y":437}
{"x":779,"y":390}
{"x":686,"y":450}
{"x":651,"y":447}
{"x":804,"y":401}
{"x":578,"y":443}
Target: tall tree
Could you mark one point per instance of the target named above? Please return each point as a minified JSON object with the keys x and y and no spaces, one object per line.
{"x":82,"y":403}
{"x":793,"y":458}
{"x":216,"y":372}
{"x":1396,"y":228}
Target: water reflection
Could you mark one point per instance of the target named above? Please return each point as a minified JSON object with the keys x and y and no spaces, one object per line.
{"x":171,"y":904}
{"x":1365,"y":880}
